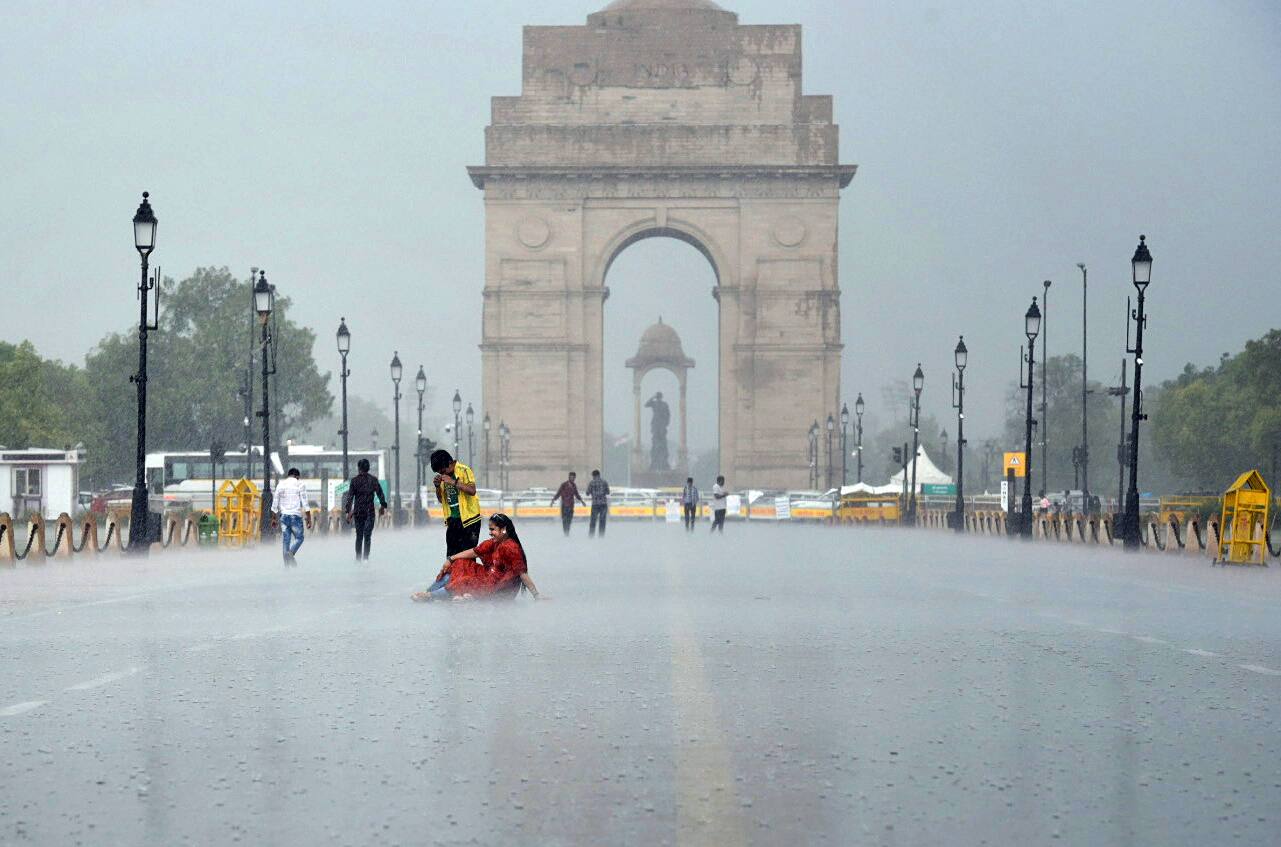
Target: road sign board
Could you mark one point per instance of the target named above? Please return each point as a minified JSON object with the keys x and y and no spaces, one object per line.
{"x":936,"y":489}
{"x":1016,"y":462}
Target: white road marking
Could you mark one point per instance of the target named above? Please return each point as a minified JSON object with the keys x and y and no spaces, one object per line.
{"x":19,"y":708}
{"x":1149,"y":639}
{"x":60,"y":609}
{"x":105,"y":679}
{"x":200,"y":648}
{"x":1193,"y":651}
{"x":1260,"y":669}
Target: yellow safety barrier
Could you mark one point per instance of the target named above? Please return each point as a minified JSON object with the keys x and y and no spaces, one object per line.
{"x":1245,"y":514}
{"x":236,"y":508}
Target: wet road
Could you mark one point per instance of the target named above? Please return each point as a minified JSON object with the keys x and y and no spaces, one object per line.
{"x":779,"y":685}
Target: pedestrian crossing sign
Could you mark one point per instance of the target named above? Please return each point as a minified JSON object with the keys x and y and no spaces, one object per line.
{"x":1016,"y":462}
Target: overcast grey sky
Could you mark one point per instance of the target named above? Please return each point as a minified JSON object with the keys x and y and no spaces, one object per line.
{"x":998,"y":144}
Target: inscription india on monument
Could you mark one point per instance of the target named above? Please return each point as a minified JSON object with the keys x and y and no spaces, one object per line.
{"x":661,"y":118}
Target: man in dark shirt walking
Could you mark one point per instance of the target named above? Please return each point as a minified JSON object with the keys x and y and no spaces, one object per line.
{"x":598,"y":490}
{"x":358,"y":506}
{"x":566,"y":494}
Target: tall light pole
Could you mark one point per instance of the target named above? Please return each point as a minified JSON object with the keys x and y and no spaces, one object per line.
{"x":1141,"y":265}
{"x":918,"y":382}
{"x":144,"y":241}
{"x":1045,"y":383}
{"x":1031,"y":328}
{"x":420,"y":383}
{"x":504,"y":456}
{"x":470,"y":417}
{"x":961,"y":355}
{"x":485,"y":426}
{"x":845,"y":452}
{"x":858,"y":413}
{"x":811,"y":455}
{"x":264,"y":302}
{"x":1120,"y":391}
{"x":831,"y":426}
{"x":1083,"y":456}
{"x":397,"y":371}
{"x":458,"y":407}
{"x":344,"y":347}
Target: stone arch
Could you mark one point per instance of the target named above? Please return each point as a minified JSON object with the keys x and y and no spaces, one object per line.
{"x":661,"y":140}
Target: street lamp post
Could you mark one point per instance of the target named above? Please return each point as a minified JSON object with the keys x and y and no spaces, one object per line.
{"x":420,"y":383}
{"x":144,"y":240}
{"x":845,"y":452}
{"x":918,"y":382}
{"x":962,"y":356}
{"x":812,"y":455}
{"x":484,"y":425}
{"x":344,"y":347}
{"x":831,"y":426}
{"x":470,"y":417}
{"x":858,"y":413}
{"x":397,"y":371}
{"x":458,"y":407}
{"x":1083,"y":456}
{"x":1031,"y":328}
{"x":264,"y":302}
{"x":1141,"y":265}
{"x":1044,"y":422}
{"x":504,"y":456}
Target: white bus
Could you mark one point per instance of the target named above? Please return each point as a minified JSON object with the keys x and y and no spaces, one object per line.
{"x":187,"y":477}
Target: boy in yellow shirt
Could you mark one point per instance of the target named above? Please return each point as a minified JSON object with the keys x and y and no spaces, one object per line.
{"x":456,"y":490}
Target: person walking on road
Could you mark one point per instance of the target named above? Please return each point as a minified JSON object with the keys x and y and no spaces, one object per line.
{"x":358,"y":506}
{"x":598,"y":491}
{"x":565,"y":494}
{"x":720,"y":497}
{"x":456,"y":489}
{"x":689,"y":502}
{"x":288,"y":509}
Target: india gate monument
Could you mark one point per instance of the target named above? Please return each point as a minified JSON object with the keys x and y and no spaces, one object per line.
{"x":661,"y":118}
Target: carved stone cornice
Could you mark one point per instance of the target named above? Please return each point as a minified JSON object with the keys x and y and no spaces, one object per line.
{"x":611,"y":181}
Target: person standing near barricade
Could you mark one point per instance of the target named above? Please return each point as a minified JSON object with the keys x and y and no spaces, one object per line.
{"x":689,"y":502}
{"x":720,"y":498}
{"x":598,"y":491}
{"x":358,"y":506}
{"x":566,"y":494}
{"x":288,"y":509}
{"x":456,"y":489}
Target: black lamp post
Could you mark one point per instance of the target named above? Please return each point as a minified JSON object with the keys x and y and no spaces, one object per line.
{"x":858,"y":413}
{"x":458,"y":407}
{"x":264,"y":302}
{"x":144,"y":240}
{"x":831,"y":427}
{"x":962,"y":356}
{"x":1031,"y":328}
{"x":485,"y":426}
{"x":812,"y":455}
{"x":471,"y":436}
{"x":918,"y":382}
{"x":420,"y":383}
{"x":1083,"y":455}
{"x":397,"y":371}
{"x":344,"y":347}
{"x":1044,"y":422}
{"x":504,"y":455}
{"x":1141,"y":264}
{"x":845,"y":453}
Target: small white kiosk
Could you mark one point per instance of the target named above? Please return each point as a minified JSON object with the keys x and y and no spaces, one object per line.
{"x":39,"y":480}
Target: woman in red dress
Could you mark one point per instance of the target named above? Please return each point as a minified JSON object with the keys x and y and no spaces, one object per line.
{"x":494,"y":568}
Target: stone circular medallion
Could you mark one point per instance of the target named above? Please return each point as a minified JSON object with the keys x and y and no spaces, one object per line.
{"x":533,"y":232}
{"x":789,"y":232}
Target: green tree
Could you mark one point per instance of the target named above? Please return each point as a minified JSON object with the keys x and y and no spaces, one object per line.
{"x":196,"y":371}
{"x":1217,"y":422}
{"x":40,"y":400}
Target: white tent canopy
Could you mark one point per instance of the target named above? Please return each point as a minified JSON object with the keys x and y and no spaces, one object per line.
{"x":927,"y":473}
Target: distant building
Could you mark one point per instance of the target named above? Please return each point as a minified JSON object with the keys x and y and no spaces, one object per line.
{"x":39,"y":479}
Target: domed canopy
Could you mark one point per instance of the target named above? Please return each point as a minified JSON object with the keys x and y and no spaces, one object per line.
{"x":660,"y":346}
{"x":663,"y":14}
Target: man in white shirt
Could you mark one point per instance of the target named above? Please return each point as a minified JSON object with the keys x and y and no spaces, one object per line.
{"x":288,"y":508}
{"x":720,"y":497}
